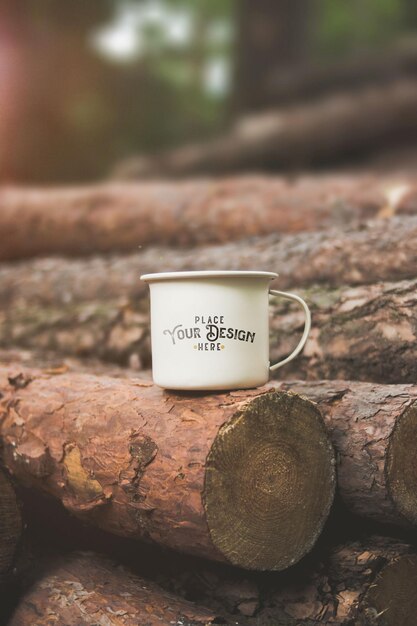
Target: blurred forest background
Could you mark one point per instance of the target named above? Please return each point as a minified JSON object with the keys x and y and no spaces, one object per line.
{"x":85,"y":85}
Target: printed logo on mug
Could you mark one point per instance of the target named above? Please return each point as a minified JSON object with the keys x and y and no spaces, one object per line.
{"x":210,"y":329}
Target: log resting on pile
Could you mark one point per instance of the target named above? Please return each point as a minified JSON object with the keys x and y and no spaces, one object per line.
{"x":83,"y":588}
{"x":379,"y":250}
{"x":10,"y":527}
{"x":247,"y":476}
{"x":122,"y":217}
{"x":360,"y":333}
{"x":371,"y":427}
{"x":364,"y":583}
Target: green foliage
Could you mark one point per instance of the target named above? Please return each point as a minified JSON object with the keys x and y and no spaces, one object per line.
{"x":343,"y":27}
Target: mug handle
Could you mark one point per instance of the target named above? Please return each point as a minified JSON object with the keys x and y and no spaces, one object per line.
{"x":307,"y":327}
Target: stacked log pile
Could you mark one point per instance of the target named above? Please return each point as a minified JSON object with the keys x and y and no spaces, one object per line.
{"x":243,"y":481}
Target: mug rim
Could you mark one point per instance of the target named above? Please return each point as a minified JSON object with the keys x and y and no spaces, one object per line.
{"x":163,"y":276}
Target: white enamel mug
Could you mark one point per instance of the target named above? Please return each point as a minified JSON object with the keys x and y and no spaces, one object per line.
{"x":210,"y":329}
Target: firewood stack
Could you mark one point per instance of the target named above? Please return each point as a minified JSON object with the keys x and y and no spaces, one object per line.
{"x":294,"y":503}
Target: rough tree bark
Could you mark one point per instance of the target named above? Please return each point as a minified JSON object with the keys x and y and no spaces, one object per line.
{"x":10,"y":527}
{"x":112,"y":217}
{"x":272,"y":36}
{"x":378,"y":250}
{"x":183,"y":470}
{"x":83,"y":588}
{"x":373,"y":429}
{"x":360,"y":333}
{"x":114,"y":331}
{"x":363,"y":583}
{"x":337,"y":126}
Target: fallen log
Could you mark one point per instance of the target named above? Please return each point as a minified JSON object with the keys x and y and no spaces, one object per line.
{"x":359,"y":333}
{"x":10,"y":527}
{"x":373,"y":429}
{"x":83,"y":588}
{"x":319,"y":132}
{"x":358,"y":70}
{"x":246,"y":477}
{"x":365,"y":583}
{"x":378,"y":250}
{"x":122,"y":217}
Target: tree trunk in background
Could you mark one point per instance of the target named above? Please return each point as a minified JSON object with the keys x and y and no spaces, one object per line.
{"x":14,"y":32}
{"x":83,"y":588}
{"x":272,"y":35}
{"x":42,"y":44}
{"x":181,"y":470}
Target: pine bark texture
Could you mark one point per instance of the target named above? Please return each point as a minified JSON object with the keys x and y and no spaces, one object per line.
{"x":83,"y":588}
{"x":123,"y":217}
{"x":380,"y":250}
{"x":373,"y":429}
{"x":332,"y":127}
{"x":114,"y":331}
{"x":10,"y":527}
{"x":182,"y":470}
{"x":365,"y":332}
{"x":363,"y":583}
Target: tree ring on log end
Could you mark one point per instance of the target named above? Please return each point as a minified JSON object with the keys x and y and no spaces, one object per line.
{"x":401,"y":465}
{"x":269,"y":483}
{"x":392,"y":598}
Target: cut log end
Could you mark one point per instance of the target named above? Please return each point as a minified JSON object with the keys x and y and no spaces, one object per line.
{"x":10,"y":526}
{"x":392,"y":598}
{"x":401,"y":467}
{"x":270,"y":480}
